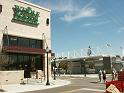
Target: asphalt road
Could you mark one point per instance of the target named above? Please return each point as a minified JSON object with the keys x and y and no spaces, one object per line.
{"x":78,"y":85}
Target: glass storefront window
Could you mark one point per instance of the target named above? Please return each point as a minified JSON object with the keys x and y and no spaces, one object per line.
{"x":26,"y":42}
{"x":5,"y":40}
{"x":38,"y":63}
{"x":32,"y":43}
{"x":13,"y":64}
{"x":19,"y":61}
{"x":12,"y":41}
{"x":26,"y":59}
{"x":23,"y":42}
{"x":38,"y":44}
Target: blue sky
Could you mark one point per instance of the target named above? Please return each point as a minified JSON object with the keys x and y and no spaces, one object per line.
{"x":76,"y":24}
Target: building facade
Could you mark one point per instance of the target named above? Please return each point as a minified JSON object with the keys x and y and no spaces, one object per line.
{"x":86,"y":65}
{"x":25,"y":34}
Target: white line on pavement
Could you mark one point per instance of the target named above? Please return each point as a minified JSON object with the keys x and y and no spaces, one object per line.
{"x":93,"y":89}
{"x":97,"y":90}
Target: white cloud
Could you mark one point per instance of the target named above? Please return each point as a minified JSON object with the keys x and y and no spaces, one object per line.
{"x":77,"y":13}
{"x":58,"y":6}
{"x":121,"y":30}
{"x":64,"y":7}
{"x":71,"y":16}
{"x":97,"y":23}
{"x":102,"y":23}
{"x":70,"y":10}
{"x":87,"y":24}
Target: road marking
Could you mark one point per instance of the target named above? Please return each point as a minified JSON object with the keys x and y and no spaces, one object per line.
{"x":97,"y":90}
{"x":93,"y":89}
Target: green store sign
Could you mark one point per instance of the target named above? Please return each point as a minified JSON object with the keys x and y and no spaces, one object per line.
{"x":26,"y":15}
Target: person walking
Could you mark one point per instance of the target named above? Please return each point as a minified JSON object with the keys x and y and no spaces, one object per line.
{"x":104,"y":75}
{"x":100,"y":75}
{"x":114,"y":74}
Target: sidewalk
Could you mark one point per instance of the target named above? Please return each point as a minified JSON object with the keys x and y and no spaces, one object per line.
{"x":32,"y":86}
{"x":87,"y":75}
{"x":37,"y":85}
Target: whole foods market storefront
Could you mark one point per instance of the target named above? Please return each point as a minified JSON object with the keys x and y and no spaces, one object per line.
{"x":22,"y":51}
{"x":25,"y":34}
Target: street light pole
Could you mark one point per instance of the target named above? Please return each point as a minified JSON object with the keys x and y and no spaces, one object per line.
{"x":84,"y":68}
{"x":47,"y":83}
{"x":54,"y":69}
{"x":57,"y":65}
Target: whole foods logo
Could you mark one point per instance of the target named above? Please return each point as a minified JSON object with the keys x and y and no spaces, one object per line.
{"x":26,"y":15}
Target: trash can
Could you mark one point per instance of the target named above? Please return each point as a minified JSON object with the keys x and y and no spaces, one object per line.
{"x":27,"y":73}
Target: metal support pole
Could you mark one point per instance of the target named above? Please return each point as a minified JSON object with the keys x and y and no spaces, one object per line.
{"x":81,"y":66}
{"x":54,"y":70}
{"x":84,"y":68}
{"x":47,"y":83}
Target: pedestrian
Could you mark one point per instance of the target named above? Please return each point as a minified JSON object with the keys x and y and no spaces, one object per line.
{"x":104,"y":75}
{"x":114,"y":74}
{"x":100,"y":75}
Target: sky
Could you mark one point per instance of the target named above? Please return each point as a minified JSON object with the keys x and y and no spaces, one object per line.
{"x":76,"y":24}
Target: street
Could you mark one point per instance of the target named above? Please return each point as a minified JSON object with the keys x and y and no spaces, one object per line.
{"x":78,"y":85}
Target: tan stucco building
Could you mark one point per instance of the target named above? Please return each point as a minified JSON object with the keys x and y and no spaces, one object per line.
{"x":25,"y":33}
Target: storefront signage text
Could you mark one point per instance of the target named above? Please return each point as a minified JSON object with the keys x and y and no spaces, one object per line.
{"x":26,"y":15}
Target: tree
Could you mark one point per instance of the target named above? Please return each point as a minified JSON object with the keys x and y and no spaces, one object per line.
{"x":63,"y":65}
